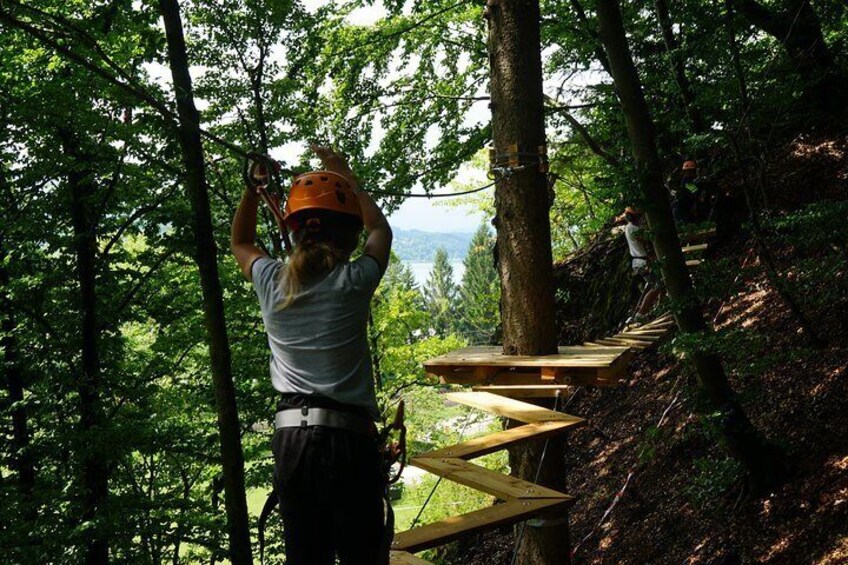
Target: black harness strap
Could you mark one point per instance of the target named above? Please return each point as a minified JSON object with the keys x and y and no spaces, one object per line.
{"x":271,"y":502}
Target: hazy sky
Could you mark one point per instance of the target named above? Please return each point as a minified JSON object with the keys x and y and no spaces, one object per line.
{"x":421,"y":213}
{"x":428,"y":215}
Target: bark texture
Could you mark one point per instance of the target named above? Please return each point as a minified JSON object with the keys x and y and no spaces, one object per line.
{"x":206,"y":257}
{"x":95,"y":466}
{"x":762,"y":461}
{"x":799,"y":30}
{"x":524,"y":238}
{"x":678,"y":67}
{"x":22,"y":461}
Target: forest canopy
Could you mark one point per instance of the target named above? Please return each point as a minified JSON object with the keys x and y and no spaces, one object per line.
{"x":136,"y":403}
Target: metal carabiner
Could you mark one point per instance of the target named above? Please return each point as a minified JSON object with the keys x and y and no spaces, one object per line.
{"x":260,"y":183}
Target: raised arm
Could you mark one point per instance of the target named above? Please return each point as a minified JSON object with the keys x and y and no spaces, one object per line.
{"x":243,"y":233}
{"x":379,"y":242}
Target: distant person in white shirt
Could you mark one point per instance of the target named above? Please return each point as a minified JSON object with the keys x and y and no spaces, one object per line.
{"x":638,"y":245}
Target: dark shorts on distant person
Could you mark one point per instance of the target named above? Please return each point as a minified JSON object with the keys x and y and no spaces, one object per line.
{"x":647,"y":275}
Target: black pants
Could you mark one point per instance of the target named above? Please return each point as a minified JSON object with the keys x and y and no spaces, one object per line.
{"x":331,"y":495}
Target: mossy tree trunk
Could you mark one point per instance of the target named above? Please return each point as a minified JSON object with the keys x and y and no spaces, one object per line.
{"x":524,"y":238}
{"x":206,"y":257}
{"x":762,"y":461}
{"x":95,"y":464}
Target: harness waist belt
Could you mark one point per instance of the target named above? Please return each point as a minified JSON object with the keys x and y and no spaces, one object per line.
{"x":306,"y":417}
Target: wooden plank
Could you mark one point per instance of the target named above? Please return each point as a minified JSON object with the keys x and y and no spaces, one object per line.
{"x":551,"y":373}
{"x":695,"y":248}
{"x":642,"y":332}
{"x":499,"y":485}
{"x":404,"y":558}
{"x":611,"y":341}
{"x":627,"y":341}
{"x":698,"y":236}
{"x":480,"y":446}
{"x":627,"y":336}
{"x":455,"y":527}
{"x":660,"y":326}
{"x":662,"y":320}
{"x":528,"y":391}
{"x":568,"y":357}
{"x":693,"y":262}
{"x":508,"y":407}
{"x":464,"y":376}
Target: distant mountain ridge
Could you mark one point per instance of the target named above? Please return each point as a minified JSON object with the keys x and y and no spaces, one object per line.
{"x":417,"y":245}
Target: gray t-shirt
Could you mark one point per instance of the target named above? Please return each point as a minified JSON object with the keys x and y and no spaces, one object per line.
{"x":319,"y":343}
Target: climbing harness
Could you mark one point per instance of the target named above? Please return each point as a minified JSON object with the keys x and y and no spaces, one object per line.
{"x":393,"y":453}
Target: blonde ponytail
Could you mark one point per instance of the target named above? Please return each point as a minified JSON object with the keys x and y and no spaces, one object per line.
{"x":307,"y":264}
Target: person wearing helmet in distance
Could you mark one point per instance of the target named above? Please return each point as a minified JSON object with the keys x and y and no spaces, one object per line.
{"x":315,"y":306}
{"x":638,"y":246}
{"x":684,"y":196}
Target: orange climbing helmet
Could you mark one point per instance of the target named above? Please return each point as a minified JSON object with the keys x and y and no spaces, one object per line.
{"x":320,"y":190}
{"x":632,"y":210}
{"x":690,"y":165}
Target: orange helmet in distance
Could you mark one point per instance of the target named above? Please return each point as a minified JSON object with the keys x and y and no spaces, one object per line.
{"x":633,"y":210}
{"x":689,"y":165}
{"x":320,"y":190}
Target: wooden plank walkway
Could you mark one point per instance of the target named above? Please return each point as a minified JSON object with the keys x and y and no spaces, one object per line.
{"x":489,"y":365}
{"x":499,"y":380}
{"x":491,"y":443}
{"x":456,"y":527}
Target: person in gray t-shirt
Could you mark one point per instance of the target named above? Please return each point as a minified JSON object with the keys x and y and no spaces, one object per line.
{"x":328,"y":473}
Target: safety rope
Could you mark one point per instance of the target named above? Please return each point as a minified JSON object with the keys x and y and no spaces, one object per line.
{"x":631,"y":471}
{"x":520,"y":535}
{"x":439,"y":480}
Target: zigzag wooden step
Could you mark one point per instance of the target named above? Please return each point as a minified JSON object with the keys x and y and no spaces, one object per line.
{"x":638,"y":339}
{"x":509,"y":408}
{"x":499,"y":485}
{"x":534,"y":391}
{"x":634,"y":343}
{"x":693,"y":262}
{"x":480,"y":446}
{"x":695,"y":248}
{"x":698,"y":236}
{"x":404,"y":558}
{"x":455,"y":527}
{"x":646,"y":333}
{"x":476,"y":365}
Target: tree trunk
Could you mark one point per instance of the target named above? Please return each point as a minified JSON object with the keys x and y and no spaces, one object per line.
{"x":588,"y":28}
{"x":95,"y":461}
{"x":735,"y":58}
{"x":762,"y":461}
{"x":206,"y":257}
{"x":678,"y":67}
{"x":524,"y":236}
{"x":22,"y":461}
{"x":799,"y":31}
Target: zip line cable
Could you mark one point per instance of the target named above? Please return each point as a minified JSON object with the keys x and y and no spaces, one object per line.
{"x":439,"y":480}
{"x":130,"y":86}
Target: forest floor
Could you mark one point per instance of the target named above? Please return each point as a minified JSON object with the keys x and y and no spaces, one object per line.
{"x":686,"y":502}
